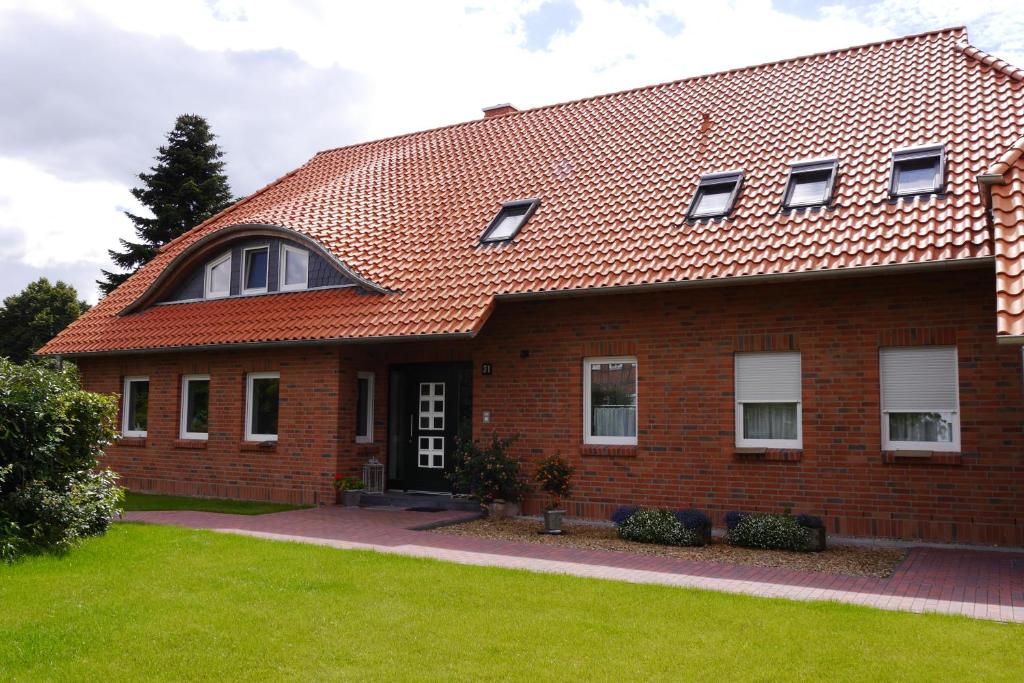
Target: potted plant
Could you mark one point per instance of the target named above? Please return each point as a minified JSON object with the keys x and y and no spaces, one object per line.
{"x":489,"y":474}
{"x":554,"y":475}
{"x":350,"y":490}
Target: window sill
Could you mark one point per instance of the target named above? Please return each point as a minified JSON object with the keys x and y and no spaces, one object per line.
{"x":194,"y":444}
{"x":768,"y":454}
{"x":597,"y":450}
{"x":921,"y":458}
{"x":132,"y":442}
{"x":257,"y":446}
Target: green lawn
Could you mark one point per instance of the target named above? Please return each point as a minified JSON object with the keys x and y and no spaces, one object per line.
{"x":154,"y":501}
{"x":164,"y":603}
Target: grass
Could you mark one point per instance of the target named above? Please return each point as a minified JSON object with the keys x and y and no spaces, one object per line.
{"x":164,"y":603}
{"x":139,"y":502}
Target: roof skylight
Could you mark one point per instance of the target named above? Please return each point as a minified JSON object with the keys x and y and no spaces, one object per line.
{"x":716,"y":195}
{"x":810,"y":184}
{"x":510,"y":219}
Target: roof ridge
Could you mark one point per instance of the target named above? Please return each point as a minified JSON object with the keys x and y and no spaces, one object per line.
{"x":990,"y":60}
{"x":616,"y":93}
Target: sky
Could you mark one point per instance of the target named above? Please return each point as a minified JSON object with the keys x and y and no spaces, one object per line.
{"x":89,"y":90}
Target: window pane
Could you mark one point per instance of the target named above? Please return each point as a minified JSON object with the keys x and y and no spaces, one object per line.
{"x":809,"y":188}
{"x":713,"y":200}
{"x":507,"y":225}
{"x":296,"y":266}
{"x":220,"y":277}
{"x":197,"y":407}
{"x":256,"y":269}
{"x":264,"y":405}
{"x":917,"y":175}
{"x":769,"y":421}
{"x":613,"y":399}
{"x":933,"y":427}
{"x":362,"y":405}
{"x":138,"y":406}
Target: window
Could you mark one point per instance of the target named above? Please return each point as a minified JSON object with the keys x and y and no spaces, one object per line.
{"x":294,"y":268}
{"x":810,"y":184}
{"x":918,"y":170}
{"x":609,"y":401}
{"x":511,"y":217}
{"x":364,"y":407}
{"x":195,"y":406}
{"x":716,"y":194}
{"x":768,"y":400}
{"x":254,"y":276}
{"x":218,"y":277}
{"x":261,"y":404}
{"x":135,"y":411}
{"x":920,"y":398}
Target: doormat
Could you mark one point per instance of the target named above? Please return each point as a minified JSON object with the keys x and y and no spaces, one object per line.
{"x":424,"y":509}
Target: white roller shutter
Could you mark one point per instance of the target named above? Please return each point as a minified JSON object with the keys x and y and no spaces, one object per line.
{"x":771,"y":377}
{"x":919,"y":379}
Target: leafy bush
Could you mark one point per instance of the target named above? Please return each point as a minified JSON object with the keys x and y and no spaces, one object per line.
{"x":623,"y":513}
{"x":774,"y":532}
{"x":51,"y":432}
{"x":555,"y":478}
{"x":694,"y":520}
{"x":488,"y":473}
{"x":734,"y":518}
{"x":653,"y":525}
{"x":348,"y":483}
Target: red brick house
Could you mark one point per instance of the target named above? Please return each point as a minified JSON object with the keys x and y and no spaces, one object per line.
{"x":795,"y":285}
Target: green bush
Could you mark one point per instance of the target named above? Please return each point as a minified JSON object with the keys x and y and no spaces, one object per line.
{"x":51,"y":492}
{"x":652,"y":525}
{"x":488,"y":473}
{"x":770,"y":532}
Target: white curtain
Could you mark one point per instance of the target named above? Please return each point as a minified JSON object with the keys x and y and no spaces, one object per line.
{"x":614,"y":421}
{"x":927,"y":427}
{"x":769,"y":421}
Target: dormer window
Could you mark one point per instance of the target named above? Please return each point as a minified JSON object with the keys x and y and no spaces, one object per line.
{"x":716,"y":195}
{"x":810,"y":184}
{"x":256,"y":260}
{"x":918,"y":170}
{"x":294,"y":268}
{"x":510,"y":219}
{"x":218,"y":277}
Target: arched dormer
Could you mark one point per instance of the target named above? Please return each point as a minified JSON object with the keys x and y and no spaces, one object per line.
{"x":248,"y":260}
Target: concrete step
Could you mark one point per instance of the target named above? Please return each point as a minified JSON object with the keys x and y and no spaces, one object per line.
{"x":401,"y":499}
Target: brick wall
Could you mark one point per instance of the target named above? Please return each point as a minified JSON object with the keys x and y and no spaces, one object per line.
{"x":684,"y":341}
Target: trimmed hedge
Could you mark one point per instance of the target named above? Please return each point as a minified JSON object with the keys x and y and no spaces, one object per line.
{"x":653,"y":525}
{"x":775,"y":532}
{"x":623,"y":513}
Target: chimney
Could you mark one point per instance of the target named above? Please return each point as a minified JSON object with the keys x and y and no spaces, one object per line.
{"x":499,"y":110}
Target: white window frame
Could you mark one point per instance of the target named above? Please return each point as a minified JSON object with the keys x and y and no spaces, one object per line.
{"x":282,"y":269}
{"x":954,"y":415}
{"x":588,"y":438}
{"x":743,"y":442}
{"x":370,"y":390}
{"x":207,"y":280}
{"x":183,"y":410}
{"x":245,"y":270}
{"x":249,"y":435}
{"x":126,"y":396}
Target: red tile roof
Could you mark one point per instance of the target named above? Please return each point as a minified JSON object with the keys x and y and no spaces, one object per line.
{"x":615,"y":175}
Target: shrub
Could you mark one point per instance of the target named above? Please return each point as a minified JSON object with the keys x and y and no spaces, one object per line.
{"x":694,"y":520}
{"x":623,"y":513}
{"x":348,"y":483}
{"x":810,"y":522}
{"x":771,"y":532}
{"x":652,"y":525}
{"x":51,"y":432}
{"x":734,"y":518}
{"x":555,"y":478}
{"x":487,"y":473}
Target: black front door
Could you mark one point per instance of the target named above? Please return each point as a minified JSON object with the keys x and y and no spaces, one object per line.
{"x":429,"y":403}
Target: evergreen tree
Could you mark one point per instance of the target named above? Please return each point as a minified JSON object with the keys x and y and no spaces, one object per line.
{"x":35,"y":316}
{"x":185,"y":187}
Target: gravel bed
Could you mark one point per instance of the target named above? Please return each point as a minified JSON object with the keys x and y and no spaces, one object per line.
{"x":839,"y":559}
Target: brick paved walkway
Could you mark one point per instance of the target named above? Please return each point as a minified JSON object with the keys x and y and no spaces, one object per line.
{"x":975,"y":583}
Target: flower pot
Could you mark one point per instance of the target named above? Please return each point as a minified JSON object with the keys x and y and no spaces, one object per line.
{"x":351,"y":498}
{"x":553,"y":521}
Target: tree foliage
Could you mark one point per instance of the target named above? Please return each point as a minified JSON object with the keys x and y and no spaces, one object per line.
{"x":34,"y":316}
{"x":185,"y":187}
{"x":52,"y":493}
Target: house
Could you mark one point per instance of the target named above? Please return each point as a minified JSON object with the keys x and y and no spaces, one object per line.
{"x":797,"y":285}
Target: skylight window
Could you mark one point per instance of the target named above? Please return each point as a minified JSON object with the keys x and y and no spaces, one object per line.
{"x":918,"y":170}
{"x":716,"y":195}
{"x":510,"y":219}
{"x":810,"y":184}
